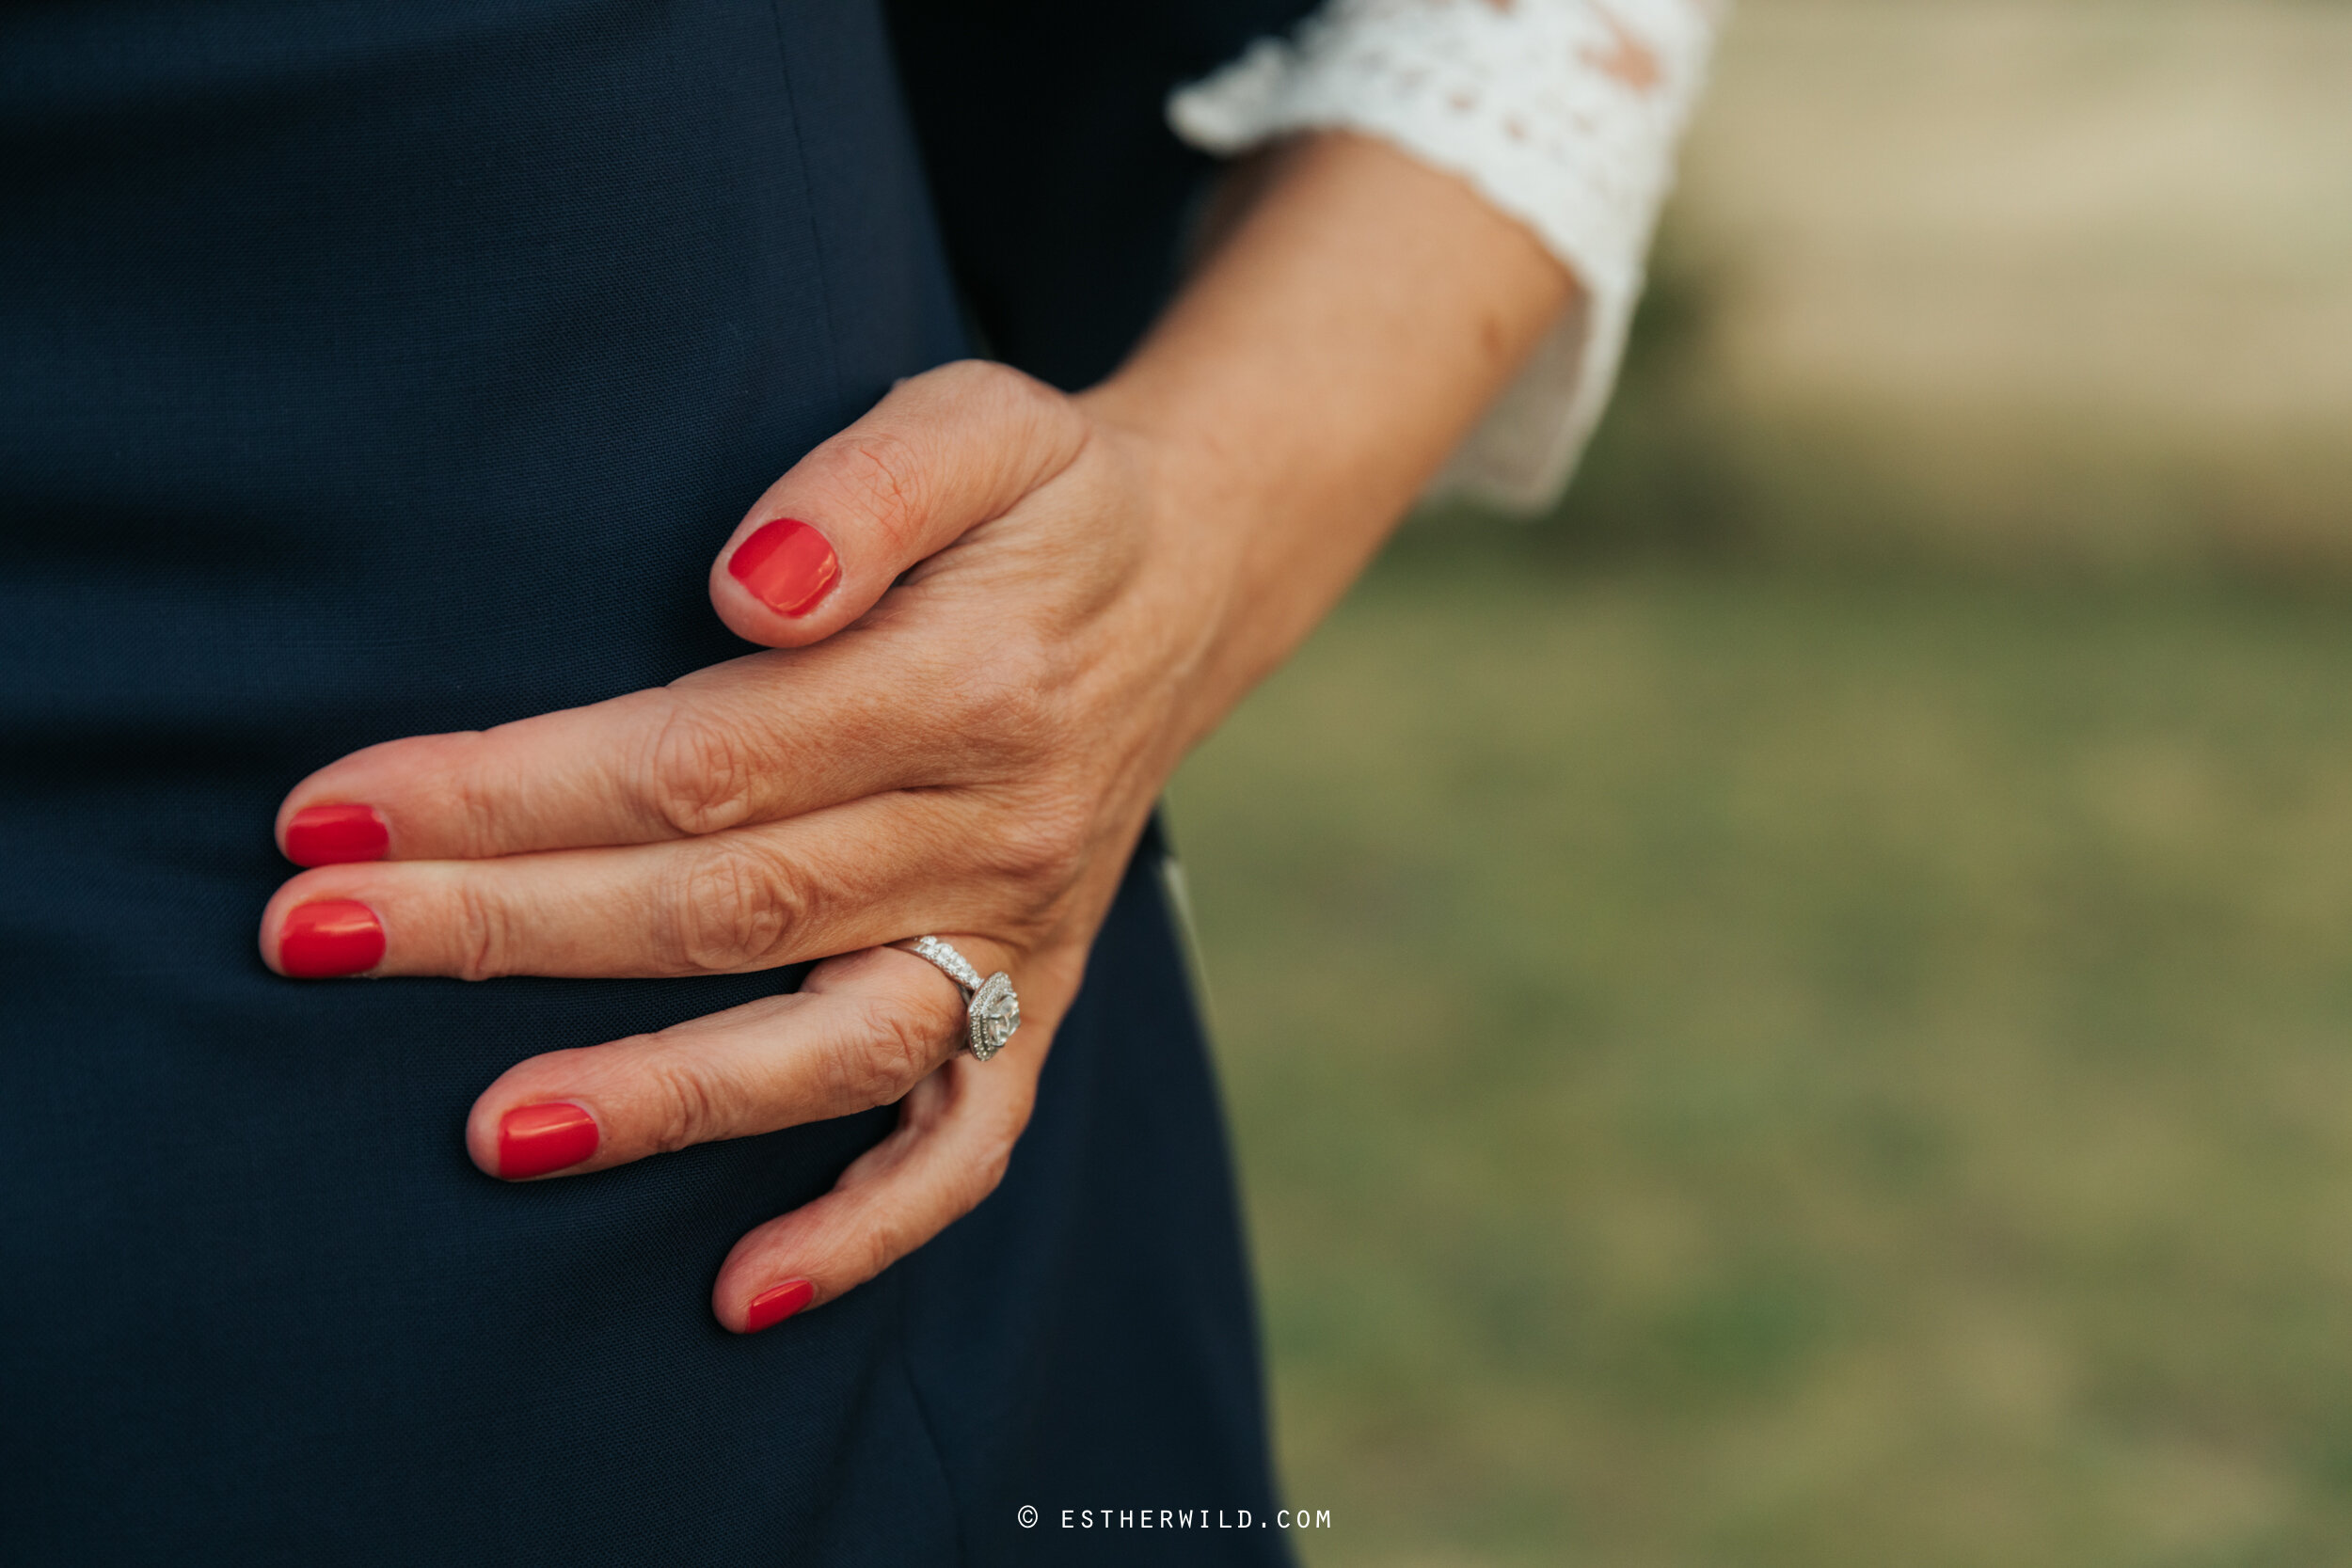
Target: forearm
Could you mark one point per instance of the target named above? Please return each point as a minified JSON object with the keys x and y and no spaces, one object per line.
{"x":1357,"y":318}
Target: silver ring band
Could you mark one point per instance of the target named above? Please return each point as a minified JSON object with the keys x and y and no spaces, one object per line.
{"x":991,"y":1013}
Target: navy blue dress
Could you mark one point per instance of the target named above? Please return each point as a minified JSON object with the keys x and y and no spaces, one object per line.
{"x":369,"y":369}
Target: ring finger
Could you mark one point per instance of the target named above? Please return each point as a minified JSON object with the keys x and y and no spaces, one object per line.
{"x":863,"y":1030}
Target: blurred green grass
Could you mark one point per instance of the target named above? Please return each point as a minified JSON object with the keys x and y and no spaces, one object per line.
{"x":1743,"y":1066}
{"x":1798,"y":1010}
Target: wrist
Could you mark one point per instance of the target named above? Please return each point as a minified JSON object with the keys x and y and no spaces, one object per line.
{"x":1306,"y":384}
{"x":1194,"y":582}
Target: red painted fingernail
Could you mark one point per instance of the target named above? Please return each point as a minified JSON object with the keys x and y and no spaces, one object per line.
{"x":537,"y":1139}
{"x":334,"y":936}
{"x":335,"y":835}
{"x":770,"y":1307}
{"x":788,"y":564}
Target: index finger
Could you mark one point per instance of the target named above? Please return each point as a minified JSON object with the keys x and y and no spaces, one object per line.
{"x":755,"y":739}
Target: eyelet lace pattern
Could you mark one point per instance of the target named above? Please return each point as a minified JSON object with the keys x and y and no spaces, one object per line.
{"x":1564,"y":113}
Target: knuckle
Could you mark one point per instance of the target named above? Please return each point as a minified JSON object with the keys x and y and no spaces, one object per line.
{"x":882,"y":1246}
{"x":732,"y":908}
{"x":702,"y":774}
{"x":988,"y":1171}
{"x":685,"y":1110}
{"x":887,"y":477}
{"x":1040,"y":843}
{"x":1004,"y":1135}
{"x":908,"y":1043}
{"x":1023,"y":696}
{"x":991,"y":1160}
{"x":896,"y":1049}
{"x":1009,"y":703}
{"x":994,"y":381}
{"x":1017,"y":394}
{"x":484,"y":945}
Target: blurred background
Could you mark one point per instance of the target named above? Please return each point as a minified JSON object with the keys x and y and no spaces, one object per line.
{"x":1799,"y":1011}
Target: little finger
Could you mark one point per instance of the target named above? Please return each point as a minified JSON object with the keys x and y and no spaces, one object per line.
{"x":955,"y":1138}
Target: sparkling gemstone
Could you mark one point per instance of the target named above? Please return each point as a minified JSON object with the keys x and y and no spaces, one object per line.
{"x":996,"y":1014}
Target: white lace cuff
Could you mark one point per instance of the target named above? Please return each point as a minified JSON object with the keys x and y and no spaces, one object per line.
{"x":1563,"y":113}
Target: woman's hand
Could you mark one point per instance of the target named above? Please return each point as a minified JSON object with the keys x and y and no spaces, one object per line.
{"x":970,"y":750}
{"x":999,"y":616}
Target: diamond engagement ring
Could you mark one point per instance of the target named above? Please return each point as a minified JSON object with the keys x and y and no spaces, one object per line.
{"x":991,"y":1010}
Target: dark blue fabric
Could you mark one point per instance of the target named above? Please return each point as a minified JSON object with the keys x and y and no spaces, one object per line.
{"x":370,"y":370}
{"x":1063,"y":195}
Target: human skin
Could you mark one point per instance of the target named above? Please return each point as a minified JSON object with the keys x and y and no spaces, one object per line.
{"x":1035,"y":606}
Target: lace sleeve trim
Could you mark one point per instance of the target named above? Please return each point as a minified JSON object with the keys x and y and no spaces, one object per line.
{"x":1564,"y":113}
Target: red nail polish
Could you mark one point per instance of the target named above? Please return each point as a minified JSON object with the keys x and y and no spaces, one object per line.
{"x":788,"y":564}
{"x":770,"y":1307}
{"x":537,"y":1139}
{"x":335,"y":835}
{"x":332,"y":937}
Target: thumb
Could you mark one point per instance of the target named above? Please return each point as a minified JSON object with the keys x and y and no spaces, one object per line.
{"x":945,"y":451}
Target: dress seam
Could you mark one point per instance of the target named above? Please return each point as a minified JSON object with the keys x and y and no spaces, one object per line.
{"x":923,"y":1415}
{"x":815,"y":234}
